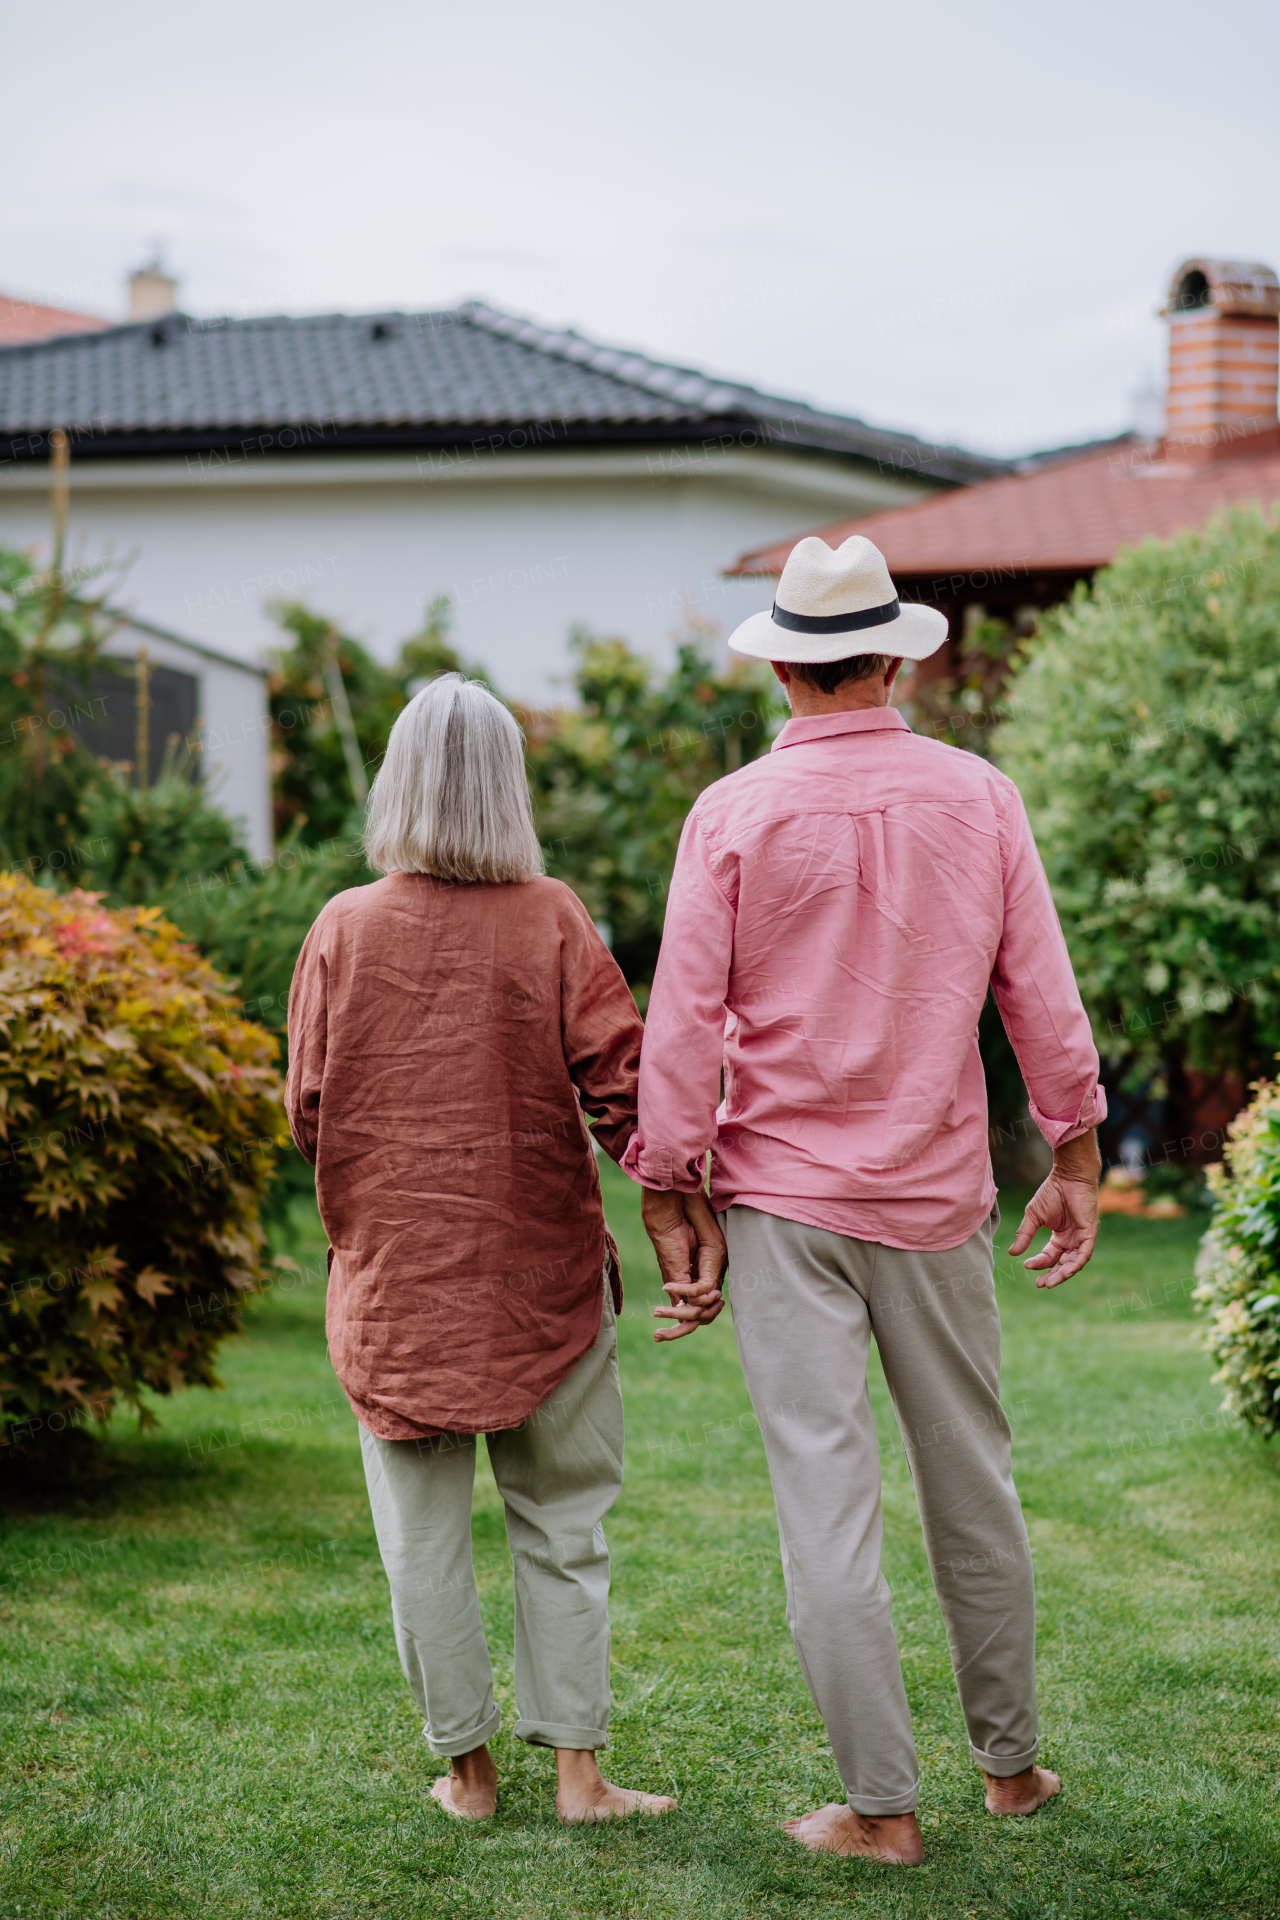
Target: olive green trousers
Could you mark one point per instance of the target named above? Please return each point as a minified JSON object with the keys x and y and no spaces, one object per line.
{"x":559,"y":1473}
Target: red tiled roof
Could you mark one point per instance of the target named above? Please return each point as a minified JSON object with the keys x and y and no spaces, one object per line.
{"x":23,"y":320}
{"x":1070,"y":516}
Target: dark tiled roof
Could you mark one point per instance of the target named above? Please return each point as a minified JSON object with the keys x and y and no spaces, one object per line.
{"x":1062,"y":517}
{"x":402,"y":378}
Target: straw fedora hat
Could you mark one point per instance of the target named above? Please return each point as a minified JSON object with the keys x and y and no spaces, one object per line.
{"x":831,"y":605}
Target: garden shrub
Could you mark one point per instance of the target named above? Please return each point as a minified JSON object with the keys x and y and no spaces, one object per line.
{"x":251,"y":917}
{"x":1145,"y":739}
{"x":310,"y":779}
{"x":251,"y":920}
{"x":140,"y":1115}
{"x":1239,"y":1265}
{"x":614,"y":777}
{"x":51,"y":639}
{"x":142,"y":842}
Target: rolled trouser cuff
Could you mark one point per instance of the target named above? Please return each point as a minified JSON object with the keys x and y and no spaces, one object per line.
{"x":1002,"y":1766}
{"x":545,"y":1733}
{"x":464,"y":1742}
{"x":884,"y":1809}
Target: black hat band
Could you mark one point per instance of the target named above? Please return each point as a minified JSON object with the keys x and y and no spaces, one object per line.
{"x":836,"y":622}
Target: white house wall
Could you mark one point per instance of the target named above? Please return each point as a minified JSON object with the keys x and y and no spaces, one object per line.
{"x":628,"y":543}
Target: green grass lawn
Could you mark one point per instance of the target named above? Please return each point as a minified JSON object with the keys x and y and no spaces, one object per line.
{"x":203,"y":1712}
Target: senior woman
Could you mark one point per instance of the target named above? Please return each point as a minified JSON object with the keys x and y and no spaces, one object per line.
{"x":449,"y":1027}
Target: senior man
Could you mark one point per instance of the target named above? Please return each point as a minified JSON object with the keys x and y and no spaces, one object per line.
{"x":837,"y":913}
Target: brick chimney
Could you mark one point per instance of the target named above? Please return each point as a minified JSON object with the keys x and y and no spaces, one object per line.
{"x":1224,"y":340}
{"x":151,"y":292}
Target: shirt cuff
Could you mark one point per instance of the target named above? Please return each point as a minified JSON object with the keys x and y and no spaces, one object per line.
{"x":1057,"y":1132}
{"x":658,"y":1168}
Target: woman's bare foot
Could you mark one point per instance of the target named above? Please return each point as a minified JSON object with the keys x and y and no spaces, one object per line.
{"x":583,"y":1793}
{"x":894,"y":1838}
{"x":470,"y":1790}
{"x":1024,"y":1792}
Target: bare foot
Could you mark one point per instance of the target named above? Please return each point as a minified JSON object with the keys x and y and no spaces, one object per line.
{"x":470,"y":1790}
{"x":583,"y":1793}
{"x":894,"y":1838}
{"x":1024,"y":1792}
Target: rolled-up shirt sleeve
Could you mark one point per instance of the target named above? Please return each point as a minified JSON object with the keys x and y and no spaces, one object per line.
{"x":1039,"y":1001}
{"x":684,"y":1026}
{"x":308,"y":1036}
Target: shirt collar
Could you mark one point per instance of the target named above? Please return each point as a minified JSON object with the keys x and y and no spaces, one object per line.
{"x":822,"y":726}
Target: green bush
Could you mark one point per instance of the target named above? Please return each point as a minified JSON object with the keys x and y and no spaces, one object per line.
{"x":614,"y":777}
{"x":144,"y":842}
{"x":311,"y":777}
{"x":140,"y":1116}
{"x":963,"y":706}
{"x":251,"y":918}
{"x":1146,"y":743}
{"x":51,"y":639}
{"x":1239,"y":1265}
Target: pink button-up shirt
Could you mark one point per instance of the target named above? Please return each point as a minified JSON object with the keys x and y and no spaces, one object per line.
{"x":837,"y":912}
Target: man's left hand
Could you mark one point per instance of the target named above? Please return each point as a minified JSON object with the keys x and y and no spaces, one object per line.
{"x":1067,"y":1204}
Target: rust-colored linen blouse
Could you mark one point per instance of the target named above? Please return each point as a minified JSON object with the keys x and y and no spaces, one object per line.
{"x":444,"y":1041}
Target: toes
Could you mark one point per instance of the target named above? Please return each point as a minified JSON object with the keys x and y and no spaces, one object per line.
{"x":620,"y":1803}
{"x":645,"y":1803}
{"x":589,"y":1816}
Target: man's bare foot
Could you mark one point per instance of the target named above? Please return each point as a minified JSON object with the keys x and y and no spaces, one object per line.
{"x":894,"y":1838}
{"x":583,"y":1793}
{"x":470,"y":1789}
{"x":1024,"y":1792}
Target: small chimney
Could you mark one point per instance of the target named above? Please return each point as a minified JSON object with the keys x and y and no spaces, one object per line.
{"x":1224,"y":343}
{"x":151,"y":292}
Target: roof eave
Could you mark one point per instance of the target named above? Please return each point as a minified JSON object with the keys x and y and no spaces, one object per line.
{"x":92,"y":441}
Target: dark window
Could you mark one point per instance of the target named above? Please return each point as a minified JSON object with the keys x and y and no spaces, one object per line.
{"x":105,"y":719}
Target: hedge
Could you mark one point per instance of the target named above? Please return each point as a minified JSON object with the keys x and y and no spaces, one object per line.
{"x":1239,"y":1265}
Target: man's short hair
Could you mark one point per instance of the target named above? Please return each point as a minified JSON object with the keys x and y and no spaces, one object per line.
{"x":827,"y":675}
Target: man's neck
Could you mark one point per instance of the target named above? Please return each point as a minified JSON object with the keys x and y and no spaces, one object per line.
{"x":855,"y":696}
{"x":808,"y":704}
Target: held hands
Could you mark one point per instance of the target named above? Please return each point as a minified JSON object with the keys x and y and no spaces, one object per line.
{"x":692,"y":1256}
{"x":1067,"y":1204}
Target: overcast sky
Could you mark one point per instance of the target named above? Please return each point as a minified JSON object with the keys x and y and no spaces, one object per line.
{"x":955,"y":219}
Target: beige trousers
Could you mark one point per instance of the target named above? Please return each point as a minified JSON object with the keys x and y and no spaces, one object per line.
{"x":806,"y":1304}
{"x":559,"y":1473}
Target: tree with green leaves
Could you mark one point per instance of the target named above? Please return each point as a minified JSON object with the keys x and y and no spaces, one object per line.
{"x":52,"y":634}
{"x":332,"y":709}
{"x":963,"y":706}
{"x":140,"y":844}
{"x":1145,"y":739}
{"x":614,"y":777}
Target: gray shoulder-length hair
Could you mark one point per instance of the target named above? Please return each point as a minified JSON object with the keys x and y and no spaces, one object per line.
{"x":451,"y":797}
